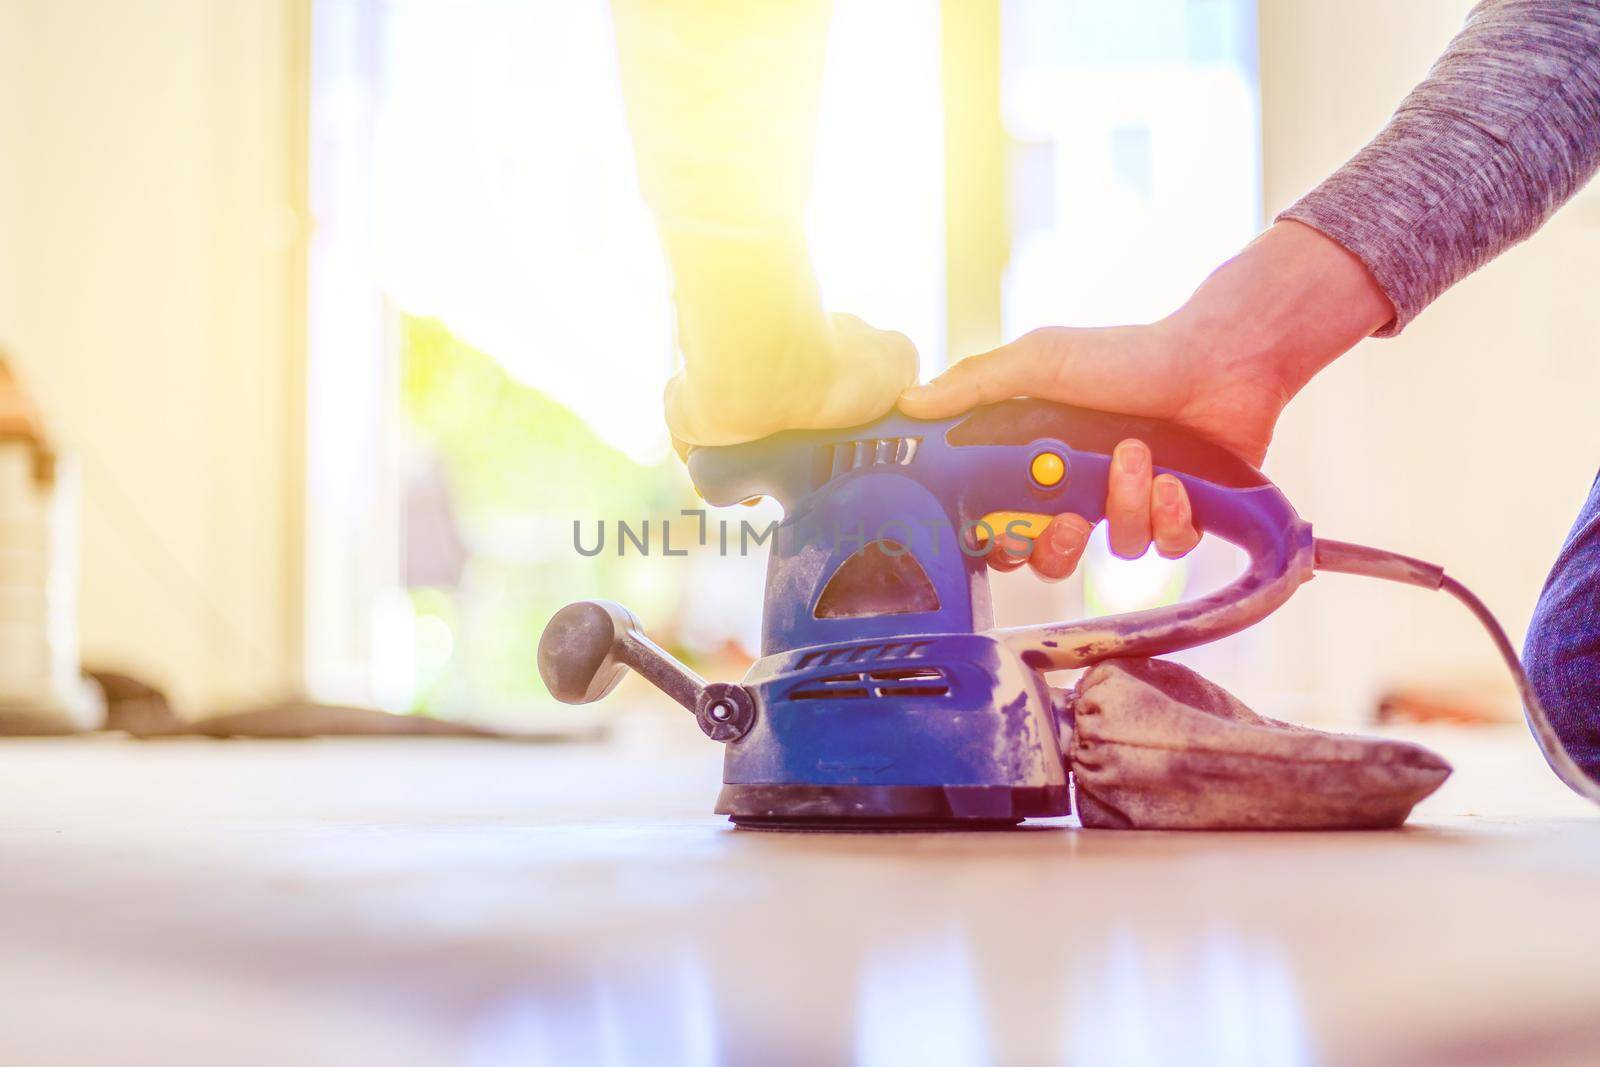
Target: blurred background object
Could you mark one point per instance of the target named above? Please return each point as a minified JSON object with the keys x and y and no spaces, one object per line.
{"x":350,"y":308}
{"x":41,"y":690}
{"x":150,"y":292}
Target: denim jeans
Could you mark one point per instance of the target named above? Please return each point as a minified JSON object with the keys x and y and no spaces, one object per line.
{"x":1562,"y":652}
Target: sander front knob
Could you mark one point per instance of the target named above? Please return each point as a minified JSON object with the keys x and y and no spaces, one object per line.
{"x":587,"y":647}
{"x":579,"y":650}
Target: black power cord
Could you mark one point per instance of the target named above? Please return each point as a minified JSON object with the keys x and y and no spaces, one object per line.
{"x":1345,"y":558}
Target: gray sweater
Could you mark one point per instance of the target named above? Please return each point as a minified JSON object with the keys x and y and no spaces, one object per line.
{"x":1503,"y":131}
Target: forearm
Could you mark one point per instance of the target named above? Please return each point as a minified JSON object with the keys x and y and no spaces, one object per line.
{"x":722,"y":98}
{"x":722,"y":101}
{"x":750,"y":319}
{"x":1505,"y":129}
{"x":1285,"y":307}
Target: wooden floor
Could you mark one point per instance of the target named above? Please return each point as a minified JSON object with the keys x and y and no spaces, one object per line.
{"x":433,"y":901}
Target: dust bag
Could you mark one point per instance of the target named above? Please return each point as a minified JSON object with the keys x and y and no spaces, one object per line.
{"x":1157,"y":747}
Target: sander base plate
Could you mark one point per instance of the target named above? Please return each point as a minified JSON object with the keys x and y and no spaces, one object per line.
{"x":880,"y":809}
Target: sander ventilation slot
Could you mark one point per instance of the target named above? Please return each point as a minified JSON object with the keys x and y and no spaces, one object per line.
{"x":827,"y":657}
{"x":895,"y":682}
{"x":842,"y":457}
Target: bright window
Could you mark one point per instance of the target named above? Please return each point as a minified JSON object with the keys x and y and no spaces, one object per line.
{"x":1135,"y":171}
{"x":490,"y":317}
{"x":491,"y":332}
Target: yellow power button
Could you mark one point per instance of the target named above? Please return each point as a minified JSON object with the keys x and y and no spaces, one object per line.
{"x":1048,"y":469}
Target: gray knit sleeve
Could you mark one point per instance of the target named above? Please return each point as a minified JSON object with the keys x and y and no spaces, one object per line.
{"x":1505,"y":129}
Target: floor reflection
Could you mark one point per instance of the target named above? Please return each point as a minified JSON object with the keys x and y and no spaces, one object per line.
{"x":1222,"y":998}
{"x":954,"y":985}
{"x":917,"y":1002}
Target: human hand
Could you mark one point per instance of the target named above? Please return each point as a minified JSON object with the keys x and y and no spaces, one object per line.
{"x":1224,"y":365}
{"x":843,"y":374}
{"x":1156,"y":370}
{"x":1141,"y":510}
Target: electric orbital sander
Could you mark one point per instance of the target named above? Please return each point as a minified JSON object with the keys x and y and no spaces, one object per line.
{"x":884,"y":698}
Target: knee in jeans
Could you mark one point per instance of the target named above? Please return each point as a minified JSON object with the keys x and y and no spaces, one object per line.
{"x":1542,"y":656}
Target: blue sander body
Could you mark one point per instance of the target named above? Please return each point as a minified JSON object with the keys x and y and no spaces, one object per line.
{"x":884,"y":698}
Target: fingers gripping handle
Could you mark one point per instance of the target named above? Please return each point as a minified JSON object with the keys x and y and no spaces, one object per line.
{"x":1229,"y":498}
{"x":1258,"y":520}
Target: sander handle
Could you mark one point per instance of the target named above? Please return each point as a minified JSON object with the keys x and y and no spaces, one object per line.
{"x":1230,"y":499}
{"x":1019,"y":455}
